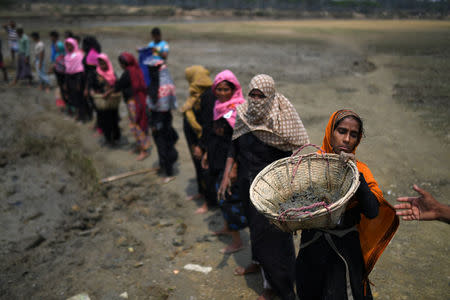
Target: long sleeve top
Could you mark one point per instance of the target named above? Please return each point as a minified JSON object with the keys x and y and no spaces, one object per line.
{"x":24,"y":45}
{"x":124,"y":85}
{"x":253,"y":155}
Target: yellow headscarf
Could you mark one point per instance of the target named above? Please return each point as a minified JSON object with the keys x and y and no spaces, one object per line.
{"x":199,"y":82}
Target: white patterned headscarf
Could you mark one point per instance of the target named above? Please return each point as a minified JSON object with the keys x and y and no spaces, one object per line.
{"x":273,"y":119}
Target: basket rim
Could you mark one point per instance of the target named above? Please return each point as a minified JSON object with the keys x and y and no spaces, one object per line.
{"x":332,"y":208}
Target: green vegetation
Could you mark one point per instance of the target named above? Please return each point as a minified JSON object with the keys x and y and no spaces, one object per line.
{"x":59,"y":149}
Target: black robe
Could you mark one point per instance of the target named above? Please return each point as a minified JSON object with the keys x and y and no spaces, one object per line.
{"x":192,"y":139}
{"x":272,"y":248}
{"x":320,"y":271}
{"x":107,"y":120}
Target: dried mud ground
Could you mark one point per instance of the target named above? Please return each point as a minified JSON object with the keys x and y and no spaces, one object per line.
{"x":63,"y":234}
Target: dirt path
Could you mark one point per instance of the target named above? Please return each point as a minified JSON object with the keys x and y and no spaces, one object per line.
{"x":63,"y":235}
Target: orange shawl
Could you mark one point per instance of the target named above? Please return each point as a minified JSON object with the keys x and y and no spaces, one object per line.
{"x":374,"y":234}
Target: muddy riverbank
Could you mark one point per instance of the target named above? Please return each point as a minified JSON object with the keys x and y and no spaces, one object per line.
{"x":63,"y":234}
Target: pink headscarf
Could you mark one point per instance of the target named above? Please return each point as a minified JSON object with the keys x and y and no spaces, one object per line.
{"x":227,"y":109}
{"x":109,"y":75}
{"x":91,"y":58}
{"x":73,"y":61}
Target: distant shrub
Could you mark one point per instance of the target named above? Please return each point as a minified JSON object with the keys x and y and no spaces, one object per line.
{"x":163,"y":11}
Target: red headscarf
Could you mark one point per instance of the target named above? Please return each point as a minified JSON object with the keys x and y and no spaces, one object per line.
{"x":139,"y":88}
{"x":136,"y":76}
{"x":374,"y":234}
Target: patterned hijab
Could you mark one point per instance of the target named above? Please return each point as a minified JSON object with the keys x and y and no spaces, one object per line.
{"x":273,"y":119}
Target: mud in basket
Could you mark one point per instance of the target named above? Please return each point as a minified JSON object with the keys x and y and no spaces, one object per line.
{"x":305,"y":191}
{"x":111,"y":102}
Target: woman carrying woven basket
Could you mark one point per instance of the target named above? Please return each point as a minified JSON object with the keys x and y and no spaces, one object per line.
{"x":267,"y":128}
{"x":102,"y":80}
{"x":133,"y":88}
{"x":334,"y":264}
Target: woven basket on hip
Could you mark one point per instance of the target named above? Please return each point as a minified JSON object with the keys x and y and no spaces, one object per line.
{"x":277,"y":182}
{"x":111,"y":102}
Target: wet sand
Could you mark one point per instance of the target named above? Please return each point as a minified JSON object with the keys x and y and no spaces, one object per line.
{"x":62,"y":234}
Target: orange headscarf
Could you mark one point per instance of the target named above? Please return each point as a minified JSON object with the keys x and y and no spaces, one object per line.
{"x":374,"y":234}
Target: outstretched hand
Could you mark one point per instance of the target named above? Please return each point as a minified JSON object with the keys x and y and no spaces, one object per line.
{"x":423,"y":207}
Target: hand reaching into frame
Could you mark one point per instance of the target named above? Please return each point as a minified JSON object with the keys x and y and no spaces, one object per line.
{"x":423,"y":207}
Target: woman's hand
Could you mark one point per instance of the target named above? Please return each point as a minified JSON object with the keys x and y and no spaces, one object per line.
{"x":233,"y":173}
{"x":204,"y":162}
{"x":225,"y":187}
{"x":345,"y":157}
{"x":423,"y":207}
{"x":107,"y":93}
{"x":197,"y":152}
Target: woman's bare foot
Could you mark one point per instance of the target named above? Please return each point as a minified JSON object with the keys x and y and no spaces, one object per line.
{"x":194,"y":197}
{"x":267,"y":294}
{"x":142,"y":155}
{"x":232,"y":248}
{"x":223,"y":231}
{"x":202,"y":209}
{"x":167,"y":179}
{"x":251,"y":268}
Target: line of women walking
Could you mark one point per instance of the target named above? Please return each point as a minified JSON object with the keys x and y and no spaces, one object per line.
{"x":88,"y":84}
{"x":232,"y":139}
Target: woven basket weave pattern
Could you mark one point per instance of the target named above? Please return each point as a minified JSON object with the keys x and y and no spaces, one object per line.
{"x":275,"y":184}
{"x":111,"y":102}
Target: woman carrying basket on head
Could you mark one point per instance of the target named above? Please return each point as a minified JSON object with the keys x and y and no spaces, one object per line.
{"x":334,"y":264}
{"x":267,"y":128}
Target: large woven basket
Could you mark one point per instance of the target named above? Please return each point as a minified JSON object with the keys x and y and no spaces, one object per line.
{"x":277,"y":182}
{"x":111,"y":102}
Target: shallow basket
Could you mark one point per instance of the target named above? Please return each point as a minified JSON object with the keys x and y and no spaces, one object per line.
{"x":111,"y":102}
{"x":277,"y":182}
